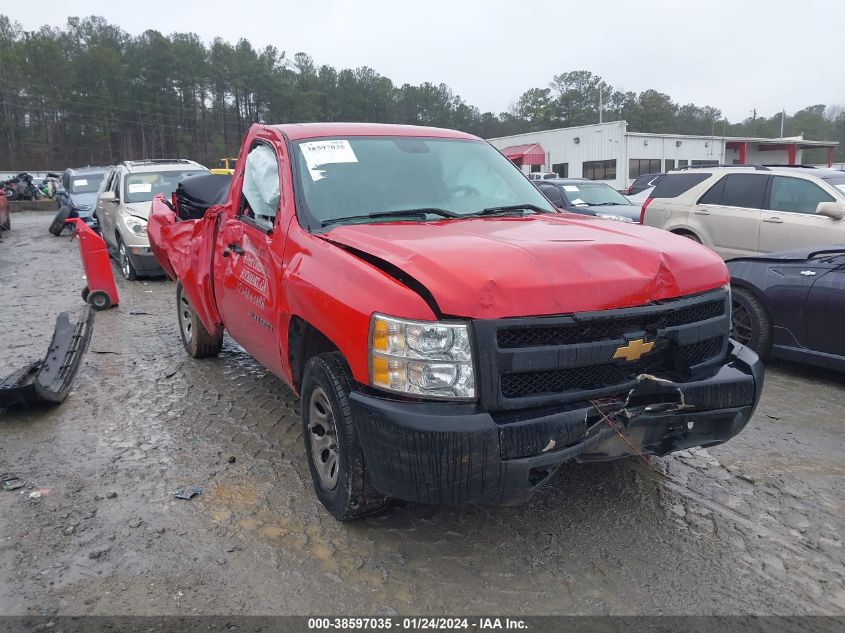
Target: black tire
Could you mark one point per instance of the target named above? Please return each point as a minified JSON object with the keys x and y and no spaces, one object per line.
{"x":195,"y":338}
{"x":689,"y":236}
{"x":6,"y":225}
{"x":84,"y":294}
{"x":125,"y":263}
{"x":58,"y":225}
{"x":750,"y":323}
{"x":99,"y":300}
{"x":326,"y":381}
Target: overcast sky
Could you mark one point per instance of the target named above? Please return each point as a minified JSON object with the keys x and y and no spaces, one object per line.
{"x":735,"y":55}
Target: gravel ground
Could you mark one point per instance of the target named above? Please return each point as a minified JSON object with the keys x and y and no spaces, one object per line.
{"x":751,"y":527}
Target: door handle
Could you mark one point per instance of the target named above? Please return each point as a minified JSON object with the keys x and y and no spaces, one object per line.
{"x":702,"y":212}
{"x":233,"y":248}
{"x":774,"y":220}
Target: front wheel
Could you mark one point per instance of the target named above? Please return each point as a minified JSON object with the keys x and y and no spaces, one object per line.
{"x":58,"y":223}
{"x":126,"y":267}
{"x":195,"y":338}
{"x":750,"y":323}
{"x":331,"y":442}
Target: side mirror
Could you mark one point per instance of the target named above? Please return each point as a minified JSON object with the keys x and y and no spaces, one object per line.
{"x":108,"y":196}
{"x":833,"y":210}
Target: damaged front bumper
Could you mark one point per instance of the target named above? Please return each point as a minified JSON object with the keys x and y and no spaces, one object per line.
{"x":48,"y":381}
{"x":458,"y":453}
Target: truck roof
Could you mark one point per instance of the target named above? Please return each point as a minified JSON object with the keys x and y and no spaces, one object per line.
{"x":298,"y":131}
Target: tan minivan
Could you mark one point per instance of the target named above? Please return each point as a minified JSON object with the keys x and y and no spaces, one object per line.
{"x":749,"y":210}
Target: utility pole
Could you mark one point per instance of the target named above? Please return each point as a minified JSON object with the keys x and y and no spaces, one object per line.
{"x":754,"y":122}
{"x":782,"y":117}
{"x":600,"y":104}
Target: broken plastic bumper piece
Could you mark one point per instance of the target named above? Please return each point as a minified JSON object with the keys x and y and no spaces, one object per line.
{"x":48,"y":381}
{"x":436,"y":452}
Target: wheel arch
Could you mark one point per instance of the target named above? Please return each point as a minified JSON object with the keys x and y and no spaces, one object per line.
{"x":304,"y":342}
{"x":685,"y":230}
{"x":758,"y":294}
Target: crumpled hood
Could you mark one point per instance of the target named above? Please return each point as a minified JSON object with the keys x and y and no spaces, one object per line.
{"x":83,"y":200}
{"x":139,"y":209}
{"x":538,"y":265}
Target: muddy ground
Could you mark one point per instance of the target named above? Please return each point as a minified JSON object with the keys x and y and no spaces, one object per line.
{"x":754,"y":526}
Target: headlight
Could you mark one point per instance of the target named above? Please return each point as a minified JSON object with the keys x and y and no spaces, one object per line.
{"x":423,"y":358}
{"x":610,"y":216}
{"x":136,"y":225}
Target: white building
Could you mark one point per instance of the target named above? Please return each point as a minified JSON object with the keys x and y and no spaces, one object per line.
{"x":609,"y":152}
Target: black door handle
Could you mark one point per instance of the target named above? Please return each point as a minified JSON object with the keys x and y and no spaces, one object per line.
{"x":233,"y":248}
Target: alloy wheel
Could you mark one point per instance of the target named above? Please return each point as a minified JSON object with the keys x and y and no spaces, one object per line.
{"x":125,"y":266}
{"x":742,"y":326}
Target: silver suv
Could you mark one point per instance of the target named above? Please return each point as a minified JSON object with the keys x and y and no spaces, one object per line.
{"x":123,"y":206}
{"x":752,"y":209}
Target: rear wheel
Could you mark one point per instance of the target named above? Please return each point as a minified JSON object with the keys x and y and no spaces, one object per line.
{"x":689,"y":236}
{"x":750,"y":323}
{"x":6,"y":224}
{"x":334,"y":453}
{"x":126,"y":267}
{"x":84,"y":294}
{"x":195,"y":338}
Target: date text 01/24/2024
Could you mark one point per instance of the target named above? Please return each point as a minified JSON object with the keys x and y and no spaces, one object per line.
{"x":416,"y":623}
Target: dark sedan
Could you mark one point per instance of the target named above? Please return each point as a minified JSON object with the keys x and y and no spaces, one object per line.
{"x":790,"y":305}
{"x":588,"y":197}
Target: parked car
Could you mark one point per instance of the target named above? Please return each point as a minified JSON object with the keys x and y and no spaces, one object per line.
{"x":77,"y":196}
{"x":454,"y":338}
{"x":643,"y":181}
{"x":123,"y":207}
{"x":5,"y":219}
{"x":639,"y":198}
{"x":749,"y":210}
{"x":588,"y":197}
{"x":790,"y":304}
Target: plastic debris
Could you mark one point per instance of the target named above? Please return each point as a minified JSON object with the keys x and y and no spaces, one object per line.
{"x":188,"y":493}
{"x":12,"y":483}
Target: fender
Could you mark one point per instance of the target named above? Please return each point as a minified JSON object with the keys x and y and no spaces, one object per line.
{"x":337,"y":293}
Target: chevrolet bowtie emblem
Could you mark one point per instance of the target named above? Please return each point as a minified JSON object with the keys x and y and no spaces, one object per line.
{"x":634,"y":350}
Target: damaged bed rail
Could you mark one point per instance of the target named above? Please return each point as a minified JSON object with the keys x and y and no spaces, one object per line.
{"x":49,"y":380}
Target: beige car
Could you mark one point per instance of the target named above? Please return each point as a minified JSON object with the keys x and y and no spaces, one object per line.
{"x":123,"y":206}
{"x":749,"y":210}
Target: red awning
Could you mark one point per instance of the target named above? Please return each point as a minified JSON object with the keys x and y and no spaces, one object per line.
{"x":531,"y":154}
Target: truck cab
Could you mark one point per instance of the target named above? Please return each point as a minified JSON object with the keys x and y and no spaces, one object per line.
{"x":453,"y":336}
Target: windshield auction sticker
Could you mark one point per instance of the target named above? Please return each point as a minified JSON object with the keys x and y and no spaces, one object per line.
{"x":319,"y":153}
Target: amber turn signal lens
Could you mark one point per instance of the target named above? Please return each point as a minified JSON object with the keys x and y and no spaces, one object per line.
{"x":380,"y":336}
{"x":381,"y":374}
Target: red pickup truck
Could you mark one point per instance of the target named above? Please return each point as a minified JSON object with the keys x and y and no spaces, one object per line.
{"x":454,"y":337}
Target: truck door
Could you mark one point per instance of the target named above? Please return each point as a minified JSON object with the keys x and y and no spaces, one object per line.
{"x":250,"y":249}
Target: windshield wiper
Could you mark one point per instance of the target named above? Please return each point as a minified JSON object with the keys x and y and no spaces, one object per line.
{"x":509,"y":209}
{"x":606,"y":204}
{"x":401,"y":213}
